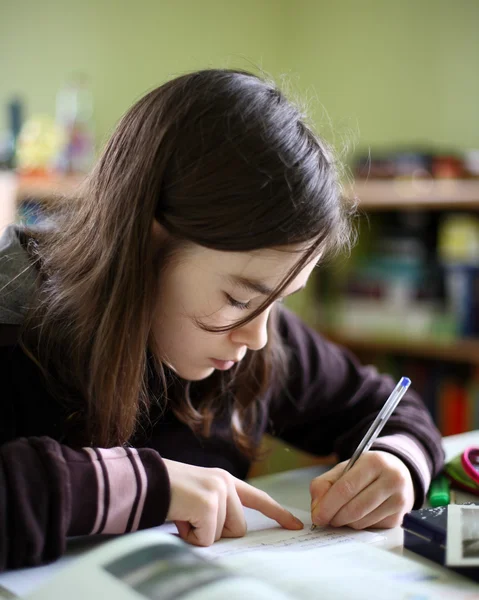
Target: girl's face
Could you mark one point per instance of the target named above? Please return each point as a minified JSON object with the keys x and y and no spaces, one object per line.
{"x":217,"y":288}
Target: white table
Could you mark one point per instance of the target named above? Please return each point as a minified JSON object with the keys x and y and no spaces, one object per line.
{"x":290,"y":488}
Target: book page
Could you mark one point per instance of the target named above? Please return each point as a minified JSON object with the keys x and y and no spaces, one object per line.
{"x":352,"y":571}
{"x":266,"y":534}
{"x":262,"y":533}
{"x":156,"y":566}
{"x":152,"y":565}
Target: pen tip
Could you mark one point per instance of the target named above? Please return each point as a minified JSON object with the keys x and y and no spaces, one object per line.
{"x":405,"y":382}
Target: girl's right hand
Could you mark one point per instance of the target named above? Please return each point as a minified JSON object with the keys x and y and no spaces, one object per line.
{"x":207,"y":504}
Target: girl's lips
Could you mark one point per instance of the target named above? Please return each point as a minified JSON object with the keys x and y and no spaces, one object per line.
{"x":222,"y":365}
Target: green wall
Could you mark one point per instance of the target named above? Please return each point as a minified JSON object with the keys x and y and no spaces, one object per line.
{"x":383,"y":71}
{"x":128,"y":47}
{"x":393,"y":71}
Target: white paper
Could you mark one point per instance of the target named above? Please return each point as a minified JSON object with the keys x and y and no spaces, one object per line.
{"x":349,"y":571}
{"x":462,"y":548}
{"x":352,"y":571}
{"x":92,"y":576}
{"x":266,"y":534}
{"x":22,"y":581}
{"x":262,"y":533}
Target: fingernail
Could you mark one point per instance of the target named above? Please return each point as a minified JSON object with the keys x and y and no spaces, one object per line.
{"x":297,"y":522}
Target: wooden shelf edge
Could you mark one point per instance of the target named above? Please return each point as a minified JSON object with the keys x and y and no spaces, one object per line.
{"x":461,"y":350}
{"x":372,"y":195}
{"x":47,"y":188}
{"x":439,"y":194}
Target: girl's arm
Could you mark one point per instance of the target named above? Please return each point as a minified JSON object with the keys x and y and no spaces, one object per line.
{"x":329,"y":401}
{"x":49,"y":491}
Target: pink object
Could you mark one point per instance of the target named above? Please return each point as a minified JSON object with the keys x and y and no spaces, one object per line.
{"x":470,"y":462}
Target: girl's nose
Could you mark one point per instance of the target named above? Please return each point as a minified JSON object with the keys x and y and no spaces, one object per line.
{"x":253,"y":335}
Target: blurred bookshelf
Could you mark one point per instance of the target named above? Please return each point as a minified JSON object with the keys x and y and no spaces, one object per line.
{"x":373,"y":195}
{"x":385,"y":196}
{"x":47,"y":189}
{"x":460,"y":351}
{"x":28,"y":198}
{"x":407,"y":299}
{"x":417,"y":194}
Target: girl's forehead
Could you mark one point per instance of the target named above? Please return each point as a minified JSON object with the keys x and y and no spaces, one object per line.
{"x":276,"y":259}
{"x":266,"y":266}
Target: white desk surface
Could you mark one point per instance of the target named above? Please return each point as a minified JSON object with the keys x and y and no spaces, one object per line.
{"x":290,"y":488}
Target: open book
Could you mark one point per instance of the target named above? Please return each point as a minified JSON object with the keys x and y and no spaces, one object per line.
{"x":154,"y":565}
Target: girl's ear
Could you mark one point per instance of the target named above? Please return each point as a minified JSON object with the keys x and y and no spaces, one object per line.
{"x":159,"y":234}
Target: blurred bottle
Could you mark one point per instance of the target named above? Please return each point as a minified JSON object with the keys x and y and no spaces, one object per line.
{"x":38,"y":144}
{"x":15,"y":118}
{"x":447,"y":166}
{"x":74,"y":112}
{"x":9,"y":137}
{"x":458,"y":251}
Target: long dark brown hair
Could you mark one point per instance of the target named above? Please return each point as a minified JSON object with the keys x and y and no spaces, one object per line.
{"x":221,"y":159}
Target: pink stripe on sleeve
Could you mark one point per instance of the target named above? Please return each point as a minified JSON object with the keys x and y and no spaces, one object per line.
{"x":143,"y":487}
{"x":100,"y":487}
{"x":123,"y":488}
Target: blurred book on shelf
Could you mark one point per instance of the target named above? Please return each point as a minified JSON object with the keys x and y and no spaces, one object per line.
{"x":407,"y":299}
{"x":58,"y":142}
{"x":416,"y":163}
{"x":413,"y":276}
{"x":393,"y":284}
{"x":458,"y":253}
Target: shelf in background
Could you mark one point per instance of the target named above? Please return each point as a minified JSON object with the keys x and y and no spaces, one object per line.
{"x":47,"y":188}
{"x":418,"y":194}
{"x":463,"y":350}
{"x":373,"y":195}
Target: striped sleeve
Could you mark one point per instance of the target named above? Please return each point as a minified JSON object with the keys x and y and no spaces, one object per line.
{"x":49,"y":491}
{"x":122,"y":483}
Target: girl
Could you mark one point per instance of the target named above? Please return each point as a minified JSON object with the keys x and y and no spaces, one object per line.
{"x":143,"y":350}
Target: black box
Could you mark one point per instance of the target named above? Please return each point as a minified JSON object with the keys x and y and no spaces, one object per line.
{"x":425,"y":532}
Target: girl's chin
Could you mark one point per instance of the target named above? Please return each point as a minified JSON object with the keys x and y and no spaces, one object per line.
{"x":194,"y":374}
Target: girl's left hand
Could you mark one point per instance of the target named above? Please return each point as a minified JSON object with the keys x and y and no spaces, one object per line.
{"x":376,"y":492}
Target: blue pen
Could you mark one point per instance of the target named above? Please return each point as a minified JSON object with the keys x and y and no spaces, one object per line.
{"x":379,"y":422}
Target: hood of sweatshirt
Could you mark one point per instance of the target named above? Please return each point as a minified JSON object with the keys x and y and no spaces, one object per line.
{"x":17,"y":277}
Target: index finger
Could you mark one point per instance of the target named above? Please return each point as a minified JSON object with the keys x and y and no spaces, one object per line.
{"x":252,"y":497}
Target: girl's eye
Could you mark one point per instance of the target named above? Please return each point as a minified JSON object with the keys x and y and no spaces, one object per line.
{"x":237,"y":304}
